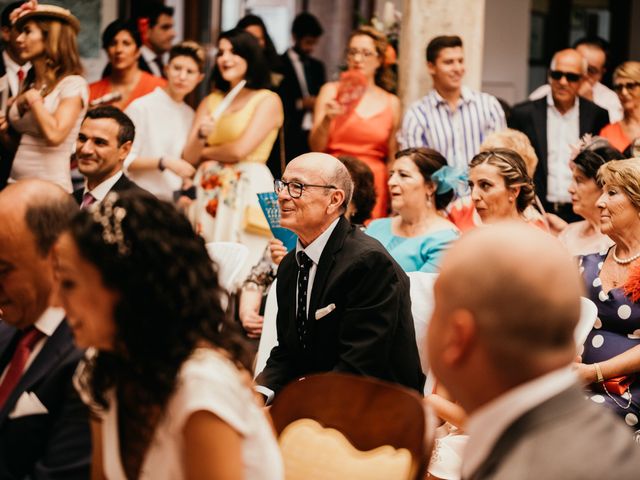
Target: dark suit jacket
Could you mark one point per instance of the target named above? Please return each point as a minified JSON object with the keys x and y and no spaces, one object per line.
{"x":567,"y":437}
{"x":531,"y":118}
{"x":370,"y":332}
{"x":55,"y":445}
{"x":296,"y":140}
{"x":123,"y":184}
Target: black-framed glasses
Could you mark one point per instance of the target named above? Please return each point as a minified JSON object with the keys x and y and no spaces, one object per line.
{"x":570,"y":76}
{"x":295,"y":189}
{"x":630,"y":86}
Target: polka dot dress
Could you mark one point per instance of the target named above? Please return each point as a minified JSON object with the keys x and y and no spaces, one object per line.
{"x":616,"y":330}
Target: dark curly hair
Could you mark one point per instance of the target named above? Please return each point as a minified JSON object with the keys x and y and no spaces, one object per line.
{"x":169,"y":303}
{"x":429,"y":161}
{"x":512,"y":169}
{"x":364,"y":193}
{"x":595,"y":154}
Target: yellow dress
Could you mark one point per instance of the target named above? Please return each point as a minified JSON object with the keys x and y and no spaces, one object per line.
{"x":226,"y":205}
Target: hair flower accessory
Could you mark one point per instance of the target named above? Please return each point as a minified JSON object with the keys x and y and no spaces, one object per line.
{"x":110,"y":217}
{"x":26,"y":7}
{"x":450,"y":178}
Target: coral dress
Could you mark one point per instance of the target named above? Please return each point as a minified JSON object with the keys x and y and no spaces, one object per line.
{"x":368,"y":140}
{"x":616,"y":136}
{"x":226,"y":207}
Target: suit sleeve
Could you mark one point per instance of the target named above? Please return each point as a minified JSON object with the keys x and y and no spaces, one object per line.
{"x":370,"y":317}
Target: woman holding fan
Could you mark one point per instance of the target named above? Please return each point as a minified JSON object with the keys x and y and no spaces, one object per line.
{"x":360,"y":117}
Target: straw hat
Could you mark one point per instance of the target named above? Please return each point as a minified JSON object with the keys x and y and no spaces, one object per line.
{"x":31,"y":10}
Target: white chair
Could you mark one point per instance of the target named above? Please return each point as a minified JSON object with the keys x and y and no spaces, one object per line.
{"x":588,"y":316}
{"x":269,"y":336}
{"x":421,"y":292}
{"x":230,"y":258}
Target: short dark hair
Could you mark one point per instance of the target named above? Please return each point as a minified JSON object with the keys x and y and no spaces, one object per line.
{"x":364,"y":192}
{"x":5,"y":21}
{"x":191,"y":49}
{"x":306,"y":25}
{"x":47,"y":218}
{"x":246,"y":46}
{"x":126,"y":130}
{"x":429,"y":161}
{"x":593,"y":41}
{"x":154,"y":11}
{"x":594,"y":155}
{"x":117,"y":26}
{"x":439,"y":43}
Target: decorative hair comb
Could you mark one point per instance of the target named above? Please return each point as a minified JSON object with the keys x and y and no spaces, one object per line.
{"x":110,"y":217}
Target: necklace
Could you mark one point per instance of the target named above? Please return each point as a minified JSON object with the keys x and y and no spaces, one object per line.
{"x":624,"y":261}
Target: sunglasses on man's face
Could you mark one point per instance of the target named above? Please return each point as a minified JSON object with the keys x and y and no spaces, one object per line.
{"x":570,"y":76}
{"x":630,"y":86}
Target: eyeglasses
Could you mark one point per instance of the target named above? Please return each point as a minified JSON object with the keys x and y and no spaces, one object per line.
{"x":352,"y":52}
{"x":630,"y":86}
{"x":570,"y":76}
{"x":295,"y":189}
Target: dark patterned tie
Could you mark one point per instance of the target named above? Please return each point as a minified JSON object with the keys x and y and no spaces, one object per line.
{"x":304,"y":266}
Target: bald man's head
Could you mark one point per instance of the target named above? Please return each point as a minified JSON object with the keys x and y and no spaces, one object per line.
{"x":522,"y":290}
{"x":326,"y":191}
{"x":567,"y":71}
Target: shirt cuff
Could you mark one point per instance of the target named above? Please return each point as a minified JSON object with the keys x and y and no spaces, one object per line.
{"x":267,"y":392}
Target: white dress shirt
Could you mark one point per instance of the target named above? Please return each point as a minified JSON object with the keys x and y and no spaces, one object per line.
{"x":563,"y":130}
{"x":150,"y":57}
{"x":603,"y":96}
{"x":12,"y":68}
{"x":105,"y":187}
{"x":48,"y":322}
{"x":490,"y":421}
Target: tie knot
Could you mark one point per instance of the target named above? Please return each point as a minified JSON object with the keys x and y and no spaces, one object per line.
{"x":30,"y":337}
{"x":304,"y":261}
{"x":87,"y":199}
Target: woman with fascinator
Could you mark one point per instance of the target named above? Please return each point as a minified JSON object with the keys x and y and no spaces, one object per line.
{"x":45,"y":116}
{"x":421,"y":185}
{"x":167,"y":375}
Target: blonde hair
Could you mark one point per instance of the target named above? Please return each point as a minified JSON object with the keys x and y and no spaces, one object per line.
{"x":629,"y":70}
{"x":624,"y":174}
{"x":60,"y":51}
{"x":384,"y":76}
{"x":513,"y":140}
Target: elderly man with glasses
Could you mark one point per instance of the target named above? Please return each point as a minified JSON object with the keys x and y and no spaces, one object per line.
{"x":343,"y":302}
{"x":553,"y":124}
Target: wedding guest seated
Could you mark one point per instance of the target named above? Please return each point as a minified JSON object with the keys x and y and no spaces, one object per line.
{"x":421,"y":185}
{"x":626,"y":83}
{"x":167,"y":378}
{"x":612,"y":279}
{"x":501,"y":188}
{"x":585,"y":236}
{"x":501,"y":340}
{"x":126,"y":81}
{"x":104,"y":141}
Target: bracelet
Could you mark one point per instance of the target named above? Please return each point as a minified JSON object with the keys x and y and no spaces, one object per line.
{"x":31,"y":103}
{"x":599,"y":376}
{"x":161,"y":165}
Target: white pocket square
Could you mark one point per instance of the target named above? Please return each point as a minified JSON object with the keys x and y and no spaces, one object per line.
{"x":323,"y":312}
{"x":28,"y":404}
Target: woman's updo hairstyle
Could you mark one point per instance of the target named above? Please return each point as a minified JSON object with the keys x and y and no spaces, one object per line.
{"x":512,"y":169}
{"x":595,"y":154}
{"x":429,"y":161}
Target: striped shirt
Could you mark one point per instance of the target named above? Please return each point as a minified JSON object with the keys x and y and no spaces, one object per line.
{"x":457,"y":135}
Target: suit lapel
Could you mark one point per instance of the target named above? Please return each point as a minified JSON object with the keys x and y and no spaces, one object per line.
{"x":54,"y":347}
{"x":585,"y":115}
{"x":540,"y":125}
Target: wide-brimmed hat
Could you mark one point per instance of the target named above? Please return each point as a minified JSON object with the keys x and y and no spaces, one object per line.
{"x":31,"y":10}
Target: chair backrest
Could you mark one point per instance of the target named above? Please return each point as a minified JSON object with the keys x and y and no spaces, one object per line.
{"x":369,"y":413}
{"x":588,"y":315}
{"x":269,"y":335}
{"x":230,"y":258}
{"x":422,"y":303}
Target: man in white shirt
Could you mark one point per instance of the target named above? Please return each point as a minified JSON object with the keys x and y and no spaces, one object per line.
{"x":44,"y":427}
{"x":343,"y":302}
{"x":159,"y":38}
{"x":104,"y":141}
{"x":501,"y":341}
{"x":553,"y":124}
{"x":594,"y":51}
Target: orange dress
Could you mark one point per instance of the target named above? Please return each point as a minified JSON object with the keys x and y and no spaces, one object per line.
{"x":146,"y":84}
{"x":368,"y":140}
{"x":616,"y":136}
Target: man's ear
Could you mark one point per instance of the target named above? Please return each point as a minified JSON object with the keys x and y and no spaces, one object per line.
{"x":459,"y":338}
{"x":125,"y":149}
{"x":337,"y":199}
{"x":431,"y":68}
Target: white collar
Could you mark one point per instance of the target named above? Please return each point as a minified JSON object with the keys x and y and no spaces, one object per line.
{"x":315,"y":248}
{"x":105,"y":187}
{"x":49,"y":321}
{"x":490,"y":421}
{"x":148,"y":54}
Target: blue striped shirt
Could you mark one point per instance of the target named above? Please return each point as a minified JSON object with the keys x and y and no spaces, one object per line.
{"x":457,"y":135}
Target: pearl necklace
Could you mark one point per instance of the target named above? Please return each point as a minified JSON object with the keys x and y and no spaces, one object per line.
{"x":624,"y":261}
